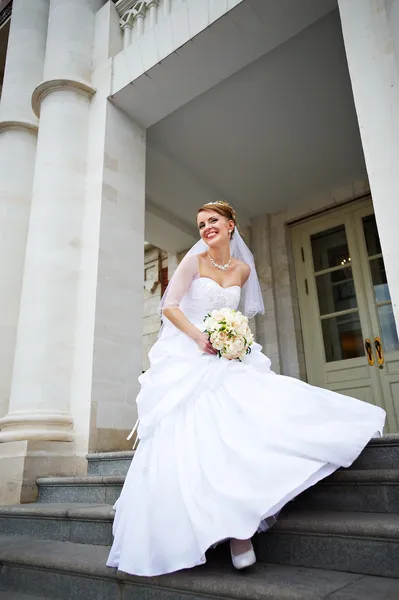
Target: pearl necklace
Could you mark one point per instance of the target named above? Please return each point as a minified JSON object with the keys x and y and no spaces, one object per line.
{"x":220,"y":267}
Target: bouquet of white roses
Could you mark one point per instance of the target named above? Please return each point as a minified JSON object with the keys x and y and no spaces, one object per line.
{"x":229,"y":333}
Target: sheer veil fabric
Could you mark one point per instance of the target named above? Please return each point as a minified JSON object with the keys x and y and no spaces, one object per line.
{"x":251,"y":301}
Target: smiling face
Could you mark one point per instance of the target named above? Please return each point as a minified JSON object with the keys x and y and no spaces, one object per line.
{"x":214,"y":229}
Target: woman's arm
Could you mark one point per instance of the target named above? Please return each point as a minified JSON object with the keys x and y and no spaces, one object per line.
{"x":179,"y":320}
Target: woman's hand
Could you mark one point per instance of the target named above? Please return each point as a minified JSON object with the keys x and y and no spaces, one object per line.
{"x":204,"y":344}
{"x":179,"y":320}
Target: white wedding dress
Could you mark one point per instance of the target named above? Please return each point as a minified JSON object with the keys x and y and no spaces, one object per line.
{"x":224,"y":446}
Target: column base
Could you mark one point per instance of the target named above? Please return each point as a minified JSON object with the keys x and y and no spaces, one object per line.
{"x":45,"y":427}
{"x":21,"y":463}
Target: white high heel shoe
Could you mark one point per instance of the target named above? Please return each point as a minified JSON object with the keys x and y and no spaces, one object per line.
{"x":244,"y":560}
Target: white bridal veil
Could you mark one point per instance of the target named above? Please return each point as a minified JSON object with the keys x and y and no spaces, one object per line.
{"x":251,"y":302}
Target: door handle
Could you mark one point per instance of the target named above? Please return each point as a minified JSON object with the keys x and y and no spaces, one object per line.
{"x":380,"y":352}
{"x":369,"y":352}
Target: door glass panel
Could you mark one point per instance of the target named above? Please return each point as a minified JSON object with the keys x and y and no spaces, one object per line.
{"x":371,"y":235}
{"x":342,"y":332}
{"x":342,"y":336}
{"x":388,"y":328}
{"x":336,"y":291}
{"x":381,"y":289}
{"x":330,"y":248}
{"x":383,"y":303}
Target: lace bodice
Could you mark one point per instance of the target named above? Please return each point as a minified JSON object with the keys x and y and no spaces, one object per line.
{"x":205,"y":295}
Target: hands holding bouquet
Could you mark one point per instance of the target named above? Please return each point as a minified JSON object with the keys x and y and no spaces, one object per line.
{"x":228,"y":333}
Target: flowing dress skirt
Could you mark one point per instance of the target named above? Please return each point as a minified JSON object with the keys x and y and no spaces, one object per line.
{"x":224,"y":446}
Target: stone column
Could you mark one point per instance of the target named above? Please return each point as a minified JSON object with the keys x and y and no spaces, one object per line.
{"x":18,"y":137}
{"x":44,"y":364}
{"x":266,"y":325}
{"x":371,"y":39}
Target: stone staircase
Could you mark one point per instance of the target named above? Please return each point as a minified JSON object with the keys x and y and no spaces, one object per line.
{"x":339,"y":540}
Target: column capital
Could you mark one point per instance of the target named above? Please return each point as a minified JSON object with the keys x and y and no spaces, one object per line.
{"x":21,"y":125}
{"x":131,"y":10}
{"x":54,"y":85}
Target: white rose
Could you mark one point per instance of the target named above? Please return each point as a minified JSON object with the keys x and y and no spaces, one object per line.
{"x":229,"y":318}
{"x":238,"y":345}
{"x":242,"y":329}
{"x":218,"y":340}
{"x":217,"y":315}
{"x":218,"y":344}
{"x":211,"y":324}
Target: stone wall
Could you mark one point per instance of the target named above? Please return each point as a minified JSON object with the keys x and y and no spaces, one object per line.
{"x":159,"y":267}
{"x":154,"y":261}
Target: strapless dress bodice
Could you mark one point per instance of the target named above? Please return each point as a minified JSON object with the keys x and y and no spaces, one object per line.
{"x":205,"y":295}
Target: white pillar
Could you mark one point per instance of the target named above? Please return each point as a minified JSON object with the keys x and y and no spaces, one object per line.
{"x":43,"y":375}
{"x":371,"y":36}
{"x":140,"y":23}
{"x":153,"y":8}
{"x":127,"y":36}
{"x":18,"y":137}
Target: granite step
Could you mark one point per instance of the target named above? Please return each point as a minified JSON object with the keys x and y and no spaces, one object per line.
{"x":16,"y":596}
{"x":103,"y":464}
{"x":81,"y":523}
{"x":345,"y":541}
{"x":380,"y":453}
{"x":355,"y":542}
{"x":369,"y":490}
{"x":364,"y":490}
{"x":71,"y":571}
{"x":90,"y":489}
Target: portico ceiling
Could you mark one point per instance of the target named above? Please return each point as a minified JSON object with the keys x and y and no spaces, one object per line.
{"x":276,"y":133}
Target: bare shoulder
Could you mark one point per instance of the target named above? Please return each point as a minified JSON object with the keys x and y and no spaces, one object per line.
{"x":244,"y":270}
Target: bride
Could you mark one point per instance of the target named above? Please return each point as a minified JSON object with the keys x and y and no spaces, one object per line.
{"x":224,"y":445}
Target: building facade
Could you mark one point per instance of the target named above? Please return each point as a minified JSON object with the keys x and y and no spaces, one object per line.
{"x":117,"y":120}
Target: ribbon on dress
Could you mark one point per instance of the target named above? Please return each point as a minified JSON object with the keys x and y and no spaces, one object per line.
{"x":131,"y":434}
